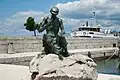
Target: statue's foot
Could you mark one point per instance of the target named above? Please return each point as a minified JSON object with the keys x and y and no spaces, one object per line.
{"x":34,"y":74}
{"x":43,"y":51}
{"x":60,"y":57}
{"x":65,"y":54}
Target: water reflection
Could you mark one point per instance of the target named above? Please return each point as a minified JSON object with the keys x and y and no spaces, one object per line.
{"x":108,"y":66}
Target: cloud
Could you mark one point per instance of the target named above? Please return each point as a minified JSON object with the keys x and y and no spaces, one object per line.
{"x":14,"y":25}
{"x":85,"y":8}
{"x":79,"y":11}
{"x":74,"y":13}
{"x":104,"y":24}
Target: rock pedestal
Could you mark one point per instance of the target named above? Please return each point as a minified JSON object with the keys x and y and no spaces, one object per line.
{"x":75,"y":67}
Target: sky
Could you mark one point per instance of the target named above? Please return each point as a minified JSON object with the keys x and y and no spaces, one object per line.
{"x":13,"y":14}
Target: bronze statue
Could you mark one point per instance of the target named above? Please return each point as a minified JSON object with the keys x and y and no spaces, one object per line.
{"x":54,"y":40}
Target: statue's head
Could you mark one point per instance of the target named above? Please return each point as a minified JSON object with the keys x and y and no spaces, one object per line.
{"x":54,"y":11}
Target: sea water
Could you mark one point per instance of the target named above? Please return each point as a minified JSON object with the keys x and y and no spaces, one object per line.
{"x":108,"y":66}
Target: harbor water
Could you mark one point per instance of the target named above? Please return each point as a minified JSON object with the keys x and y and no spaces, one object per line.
{"x":108,"y":66}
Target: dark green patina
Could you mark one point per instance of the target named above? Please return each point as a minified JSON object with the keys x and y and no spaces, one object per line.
{"x":54,"y":40}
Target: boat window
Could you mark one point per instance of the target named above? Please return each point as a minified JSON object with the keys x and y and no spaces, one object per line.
{"x":114,"y":45}
{"x":91,"y":33}
{"x":89,"y":29}
{"x":83,"y":29}
{"x":80,"y":29}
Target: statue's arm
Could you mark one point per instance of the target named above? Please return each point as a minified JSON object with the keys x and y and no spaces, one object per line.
{"x":62,"y":31}
{"x":42,"y":26}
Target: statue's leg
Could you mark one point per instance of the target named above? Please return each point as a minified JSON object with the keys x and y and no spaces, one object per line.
{"x":63,"y":43}
{"x":52,"y":42}
{"x":45,"y":46}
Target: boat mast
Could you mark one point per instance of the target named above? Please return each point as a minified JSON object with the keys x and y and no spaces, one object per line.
{"x":94,"y":13}
{"x":94,"y":19}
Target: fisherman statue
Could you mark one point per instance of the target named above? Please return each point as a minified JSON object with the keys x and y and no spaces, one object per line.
{"x":54,"y":40}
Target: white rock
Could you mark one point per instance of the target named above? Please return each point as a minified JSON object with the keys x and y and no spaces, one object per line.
{"x":74,"y":67}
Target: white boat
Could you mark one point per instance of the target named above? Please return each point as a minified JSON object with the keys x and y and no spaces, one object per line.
{"x":92,"y":32}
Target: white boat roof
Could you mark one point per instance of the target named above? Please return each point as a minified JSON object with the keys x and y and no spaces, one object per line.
{"x":89,"y":26}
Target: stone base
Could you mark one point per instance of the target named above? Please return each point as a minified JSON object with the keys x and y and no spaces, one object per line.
{"x":75,"y":67}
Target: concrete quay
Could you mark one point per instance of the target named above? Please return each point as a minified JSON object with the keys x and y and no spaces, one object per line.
{"x":25,"y":58}
{"x":16,"y":72}
{"x":17,"y":58}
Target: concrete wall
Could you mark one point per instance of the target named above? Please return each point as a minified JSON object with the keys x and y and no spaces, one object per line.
{"x":17,"y":60}
{"x":31,"y":44}
{"x":76,"y":43}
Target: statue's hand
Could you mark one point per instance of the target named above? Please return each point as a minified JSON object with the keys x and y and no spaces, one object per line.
{"x":30,"y":24}
{"x":62,"y":34}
